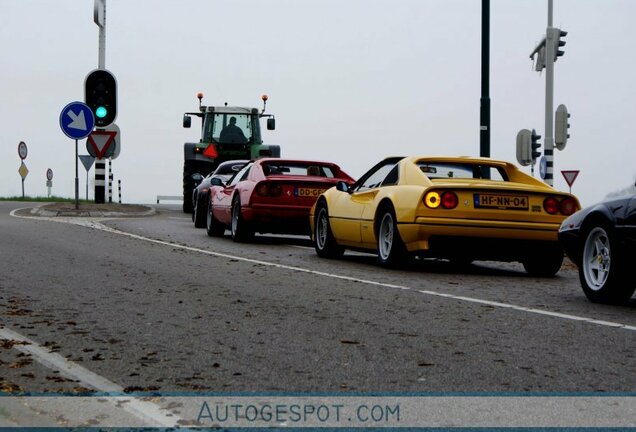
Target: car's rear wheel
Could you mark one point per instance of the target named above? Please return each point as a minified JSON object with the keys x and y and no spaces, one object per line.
{"x":391,"y":249}
{"x":324,"y":241}
{"x":212,"y":224}
{"x":241,"y":230}
{"x":544,"y":263}
{"x":198,"y":214}
{"x":602,"y":274}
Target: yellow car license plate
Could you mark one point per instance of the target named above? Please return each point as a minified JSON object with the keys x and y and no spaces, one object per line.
{"x":502,"y":202}
{"x":308,"y":192}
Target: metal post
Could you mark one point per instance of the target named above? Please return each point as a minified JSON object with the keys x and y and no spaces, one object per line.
{"x":119,"y":187}
{"x":102,"y":42}
{"x":110,"y":180}
{"x":76,"y":178}
{"x":484,"y":112}
{"x":87,"y":185}
{"x":22,"y":187}
{"x":100,"y":181}
{"x":549,"y":96}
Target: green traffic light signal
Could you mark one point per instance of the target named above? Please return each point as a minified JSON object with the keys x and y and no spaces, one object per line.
{"x":101,"y":112}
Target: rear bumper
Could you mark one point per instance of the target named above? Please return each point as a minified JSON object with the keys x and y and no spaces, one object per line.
{"x":500,"y":240}
{"x":282,"y":219}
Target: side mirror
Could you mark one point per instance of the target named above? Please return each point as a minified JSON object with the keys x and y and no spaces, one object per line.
{"x":187,"y":121}
{"x":215,"y":181}
{"x":196,"y":178}
{"x":271,"y":123}
{"x":342,"y":186}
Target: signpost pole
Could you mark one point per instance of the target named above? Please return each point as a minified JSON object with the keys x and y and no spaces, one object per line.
{"x":22,"y":187}
{"x":76,"y":178}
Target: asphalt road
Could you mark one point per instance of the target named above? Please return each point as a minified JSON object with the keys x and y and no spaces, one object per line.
{"x":154,"y":304}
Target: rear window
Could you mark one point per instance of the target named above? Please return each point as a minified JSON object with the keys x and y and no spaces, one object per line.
{"x":444,"y":170}
{"x":297,"y":169}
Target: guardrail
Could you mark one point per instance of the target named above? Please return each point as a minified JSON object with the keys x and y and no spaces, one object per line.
{"x":169,"y":198}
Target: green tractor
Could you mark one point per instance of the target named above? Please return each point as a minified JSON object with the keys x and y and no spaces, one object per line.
{"x":227,"y":133}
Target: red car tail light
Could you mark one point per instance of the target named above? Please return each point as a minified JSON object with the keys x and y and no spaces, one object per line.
{"x":568,"y":206}
{"x":551,"y":205}
{"x":261,"y":189}
{"x":275,"y":190}
{"x":449,"y":200}
{"x":269,"y":189}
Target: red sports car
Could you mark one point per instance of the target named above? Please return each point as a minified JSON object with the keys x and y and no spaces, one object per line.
{"x":269,"y":195}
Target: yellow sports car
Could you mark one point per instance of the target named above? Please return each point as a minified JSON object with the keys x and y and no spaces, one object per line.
{"x":458,"y":208}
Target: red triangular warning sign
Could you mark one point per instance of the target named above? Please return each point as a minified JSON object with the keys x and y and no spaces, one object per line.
{"x":100,"y":141}
{"x":570,"y":176}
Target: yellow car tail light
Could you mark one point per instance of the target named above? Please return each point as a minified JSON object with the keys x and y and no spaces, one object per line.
{"x":432,"y":200}
{"x":568,"y":206}
{"x":551,"y":205}
{"x":447,"y":200}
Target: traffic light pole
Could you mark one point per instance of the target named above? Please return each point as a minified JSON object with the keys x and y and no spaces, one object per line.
{"x":99,"y":17}
{"x":549,"y":99}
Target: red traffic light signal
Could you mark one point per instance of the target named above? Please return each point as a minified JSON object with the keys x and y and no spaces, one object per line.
{"x":100,"y":94}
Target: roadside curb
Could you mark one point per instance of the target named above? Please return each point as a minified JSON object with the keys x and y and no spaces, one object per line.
{"x":42,"y":211}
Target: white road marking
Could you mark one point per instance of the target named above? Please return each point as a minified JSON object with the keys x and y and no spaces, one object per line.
{"x":183,"y":218}
{"x":98,"y":225}
{"x":144,"y":410}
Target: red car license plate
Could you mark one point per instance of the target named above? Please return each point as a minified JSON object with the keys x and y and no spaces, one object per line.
{"x":308,"y":192}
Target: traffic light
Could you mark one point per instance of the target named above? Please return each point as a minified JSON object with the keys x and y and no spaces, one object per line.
{"x":558,"y":42}
{"x":561,"y":127}
{"x":100,"y":94}
{"x":524,"y":154}
{"x":535,"y":144}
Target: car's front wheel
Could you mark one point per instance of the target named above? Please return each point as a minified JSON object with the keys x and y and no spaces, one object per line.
{"x":324,"y":241}
{"x":240,"y":228}
{"x":602,"y":274}
{"x":391,"y":249}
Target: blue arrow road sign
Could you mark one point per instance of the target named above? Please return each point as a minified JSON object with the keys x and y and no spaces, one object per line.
{"x":77,"y":120}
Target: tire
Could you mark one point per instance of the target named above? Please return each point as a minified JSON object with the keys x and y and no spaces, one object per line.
{"x":241,"y":231}
{"x":602,"y":272}
{"x":213,"y":227}
{"x":199,"y":216}
{"x":324,"y":241}
{"x":544,"y":263}
{"x":391,"y":249}
{"x":187,"y":203}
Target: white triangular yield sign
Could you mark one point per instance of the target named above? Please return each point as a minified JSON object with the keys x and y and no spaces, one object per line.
{"x":570,"y":176}
{"x":100,"y":141}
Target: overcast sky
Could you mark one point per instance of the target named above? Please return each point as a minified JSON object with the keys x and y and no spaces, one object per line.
{"x":350,"y":81}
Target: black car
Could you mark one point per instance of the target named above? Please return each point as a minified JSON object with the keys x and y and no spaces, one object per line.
{"x":601,"y":240}
{"x":200,"y":194}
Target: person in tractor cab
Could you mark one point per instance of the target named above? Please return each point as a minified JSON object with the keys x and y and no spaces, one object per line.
{"x":232,"y":133}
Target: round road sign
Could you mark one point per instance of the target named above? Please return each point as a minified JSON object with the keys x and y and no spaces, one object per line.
{"x":49,"y":174}
{"x":22,"y":150}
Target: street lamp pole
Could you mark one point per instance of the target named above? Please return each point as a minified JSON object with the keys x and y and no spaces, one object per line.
{"x":484,"y":112}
